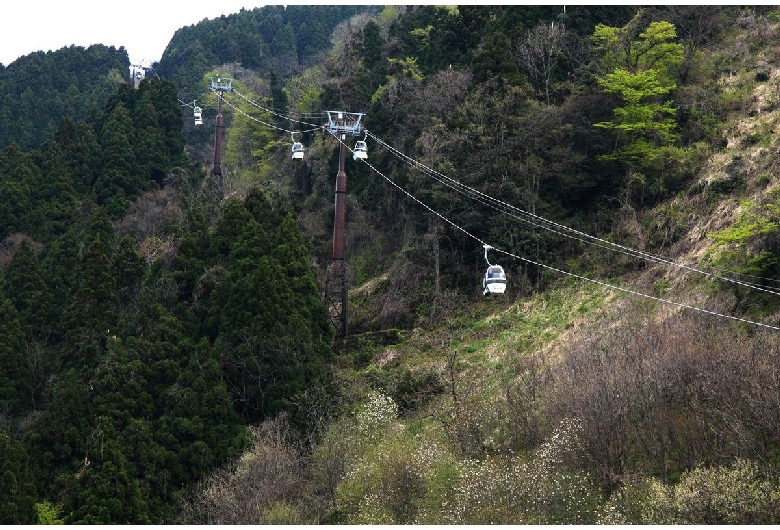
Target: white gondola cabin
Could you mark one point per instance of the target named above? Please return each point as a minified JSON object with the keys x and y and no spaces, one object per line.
{"x":198,"y":114}
{"x":360,"y":151}
{"x":494,"y":281}
{"x":297,"y":151}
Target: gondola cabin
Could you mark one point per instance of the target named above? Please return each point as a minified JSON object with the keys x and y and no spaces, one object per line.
{"x":360,"y":151}
{"x":198,"y":116}
{"x":297,"y":151}
{"x":494,"y":281}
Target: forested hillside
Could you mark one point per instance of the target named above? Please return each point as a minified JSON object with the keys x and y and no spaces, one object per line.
{"x":166,"y":353}
{"x":39,"y":89}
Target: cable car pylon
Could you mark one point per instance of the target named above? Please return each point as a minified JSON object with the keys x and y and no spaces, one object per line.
{"x":340,"y":124}
{"x":219,"y":85}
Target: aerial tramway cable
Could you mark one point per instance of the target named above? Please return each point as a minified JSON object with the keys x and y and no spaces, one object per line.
{"x":506,"y":208}
{"x":561,"y":271}
{"x":563,"y":230}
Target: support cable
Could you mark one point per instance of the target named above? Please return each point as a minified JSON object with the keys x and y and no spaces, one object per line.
{"x":562,"y":230}
{"x":561,"y":271}
{"x":228,"y":103}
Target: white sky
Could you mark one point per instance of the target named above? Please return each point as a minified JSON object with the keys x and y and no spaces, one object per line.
{"x":143,"y":27}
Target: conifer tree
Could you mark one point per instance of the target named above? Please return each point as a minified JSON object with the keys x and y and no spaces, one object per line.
{"x":128,"y":269}
{"x":56,"y":439}
{"x":14,"y":376}
{"x":55,"y":195}
{"x":151,"y":153}
{"x":28,"y":292}
{"x":274,"y":331}
{"x":18,"y":177}
{"x":17,"y":491}
{"x":92,"y":310}
{"x":118,"y":181}
{"x":105,"y":493}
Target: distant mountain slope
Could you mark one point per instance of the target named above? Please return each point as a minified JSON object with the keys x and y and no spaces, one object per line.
{"x":275,"y":39}
{"x":39,"y":89}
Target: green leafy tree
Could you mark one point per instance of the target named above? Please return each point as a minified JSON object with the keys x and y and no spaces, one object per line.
{"x":634,"y":49}
{"x":641,"y":77}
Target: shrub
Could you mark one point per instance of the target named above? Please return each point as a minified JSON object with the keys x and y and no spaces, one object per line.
{"x":543,"y":490}
{"x":743,"y":493}
{"x":265,"y":482}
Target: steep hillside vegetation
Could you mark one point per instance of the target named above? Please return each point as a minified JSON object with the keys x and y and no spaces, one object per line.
{"x":166,"y":355}
{"x":568,"y":401}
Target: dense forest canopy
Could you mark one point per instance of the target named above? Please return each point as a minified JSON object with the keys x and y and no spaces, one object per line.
{"x":166,"y":355}
{"x":39,"y":89}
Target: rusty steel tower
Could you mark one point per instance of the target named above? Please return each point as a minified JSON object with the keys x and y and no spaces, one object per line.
{"x":341,"y":124}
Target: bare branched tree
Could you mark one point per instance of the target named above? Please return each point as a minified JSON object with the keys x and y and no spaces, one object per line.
{"x":266,"y":485}
{"x":538,"y":54}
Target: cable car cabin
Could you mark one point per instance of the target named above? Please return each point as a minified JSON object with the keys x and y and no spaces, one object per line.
{"x":297,"y":150}
{"x":198,"y":116}
{"x":361,"y":150}
{"x":494,"y":281}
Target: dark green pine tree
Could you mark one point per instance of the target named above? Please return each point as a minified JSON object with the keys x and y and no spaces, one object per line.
{"x":92,"y":310}
{"x":151,"y":154}
{"x":165,"y":96}
{"x":371,"y":48}
{"x":200,"y":429}
{"x":104,"y":492}
{"x":55,"y":195}
{"x":128,"y":269}
{"x":118,"y":181}
{"x":284,"y":44}
{"x":123,"y":398}
{"x":236,"y":223}
{"x":17,"y":490}
{"x":28,"y":292}
{"x":82,"y":157}
{"x":15,"y":381}
{"x":493,"y":60}
{"x":56,"y":439}
{"x":62,"y":259}
{"x":279,"y":100}
{"x":18,"y":176}
{"x":100,"y":227}
{"x":312,"y":42}
{"x":274,"y":336}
